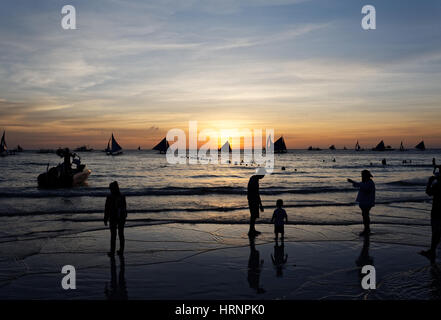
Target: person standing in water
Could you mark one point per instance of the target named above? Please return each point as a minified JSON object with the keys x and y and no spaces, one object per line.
{"x":254,"y":201}
{"x":365,"y":198}
{"x":115,"y":213}
{"x":433,"y":189}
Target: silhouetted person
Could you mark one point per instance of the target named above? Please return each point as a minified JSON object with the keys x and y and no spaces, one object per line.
{"x":279,"y":218}
{"x":254,"y":268}
{"x":365,"y":198}
{"x":118,"y":288}
{"x":115,"y":213}
{"x":254,"y":201}
{"x":433,"y":189}
{"x":279,"y":258}
{"x":383,"y":162}
{"x":66,"y":155}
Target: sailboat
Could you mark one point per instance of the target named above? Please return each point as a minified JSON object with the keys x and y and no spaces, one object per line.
{"x":358,"y":147}
{"x":402,"y":147}
{"x":113,"y":148}
{"x":3,"y":146}
{"x":226,"y":147}
{"x":382,"y":147}
{"x":280,"y":146}
{"x":421,"y":146}
{"x":162,"y":146}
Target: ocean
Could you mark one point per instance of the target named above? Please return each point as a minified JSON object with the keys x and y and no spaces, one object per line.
{"x":313,"y":187}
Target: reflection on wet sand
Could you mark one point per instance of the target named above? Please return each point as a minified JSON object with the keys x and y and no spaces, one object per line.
{"x":435,"y":284}
{"x":254,"y":268}
{"x":364,"y":258}
{"x":118,"y":288}
{"x":279,"y":258}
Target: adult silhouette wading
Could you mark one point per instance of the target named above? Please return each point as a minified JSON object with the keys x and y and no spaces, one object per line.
{"x":254,"y":201}
{"x":433,"y":189}
{"x":115,"y":213}
{"x":365,"y":198}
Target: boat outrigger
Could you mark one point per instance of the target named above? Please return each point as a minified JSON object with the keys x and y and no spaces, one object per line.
{"x":63,"y":176}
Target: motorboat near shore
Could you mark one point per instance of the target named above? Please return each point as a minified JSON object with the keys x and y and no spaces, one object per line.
{"x":63,"y":176}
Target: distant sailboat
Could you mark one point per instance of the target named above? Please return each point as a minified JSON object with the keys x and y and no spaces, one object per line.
{"x":402,"y":147}
{"x":358,"y":147}
{"x":280,"y":146}
{"x":83,"y":149}
{"x":162,"y":146}
{"x":226,"y":147}
{"x":113,"y":148}
{"x":382,"y":147}
{"x":3,"y":146}
{"x":421,"y":146}
{"x":332,"y":147}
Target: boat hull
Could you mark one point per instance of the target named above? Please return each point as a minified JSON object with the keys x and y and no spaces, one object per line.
{"x":114,"y":153}
{"x":53,"y":179}
{"x":81,"y":177}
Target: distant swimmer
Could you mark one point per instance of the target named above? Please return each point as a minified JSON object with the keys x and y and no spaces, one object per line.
{"x":283,"y":168}
{"x":365,"y":198}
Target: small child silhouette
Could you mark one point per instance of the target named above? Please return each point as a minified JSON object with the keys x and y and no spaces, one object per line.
{"x":279,"y":218}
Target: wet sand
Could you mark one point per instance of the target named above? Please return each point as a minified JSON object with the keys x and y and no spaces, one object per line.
{"x":217,"y":261}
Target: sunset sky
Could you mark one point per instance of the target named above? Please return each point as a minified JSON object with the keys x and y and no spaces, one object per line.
{"x":139,"y":68}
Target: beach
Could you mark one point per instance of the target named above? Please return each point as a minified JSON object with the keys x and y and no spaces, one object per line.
{"x":212,"y":261}
{"x":186,"y":232}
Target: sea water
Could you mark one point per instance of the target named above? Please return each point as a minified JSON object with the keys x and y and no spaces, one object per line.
{"x":313,"y":187}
